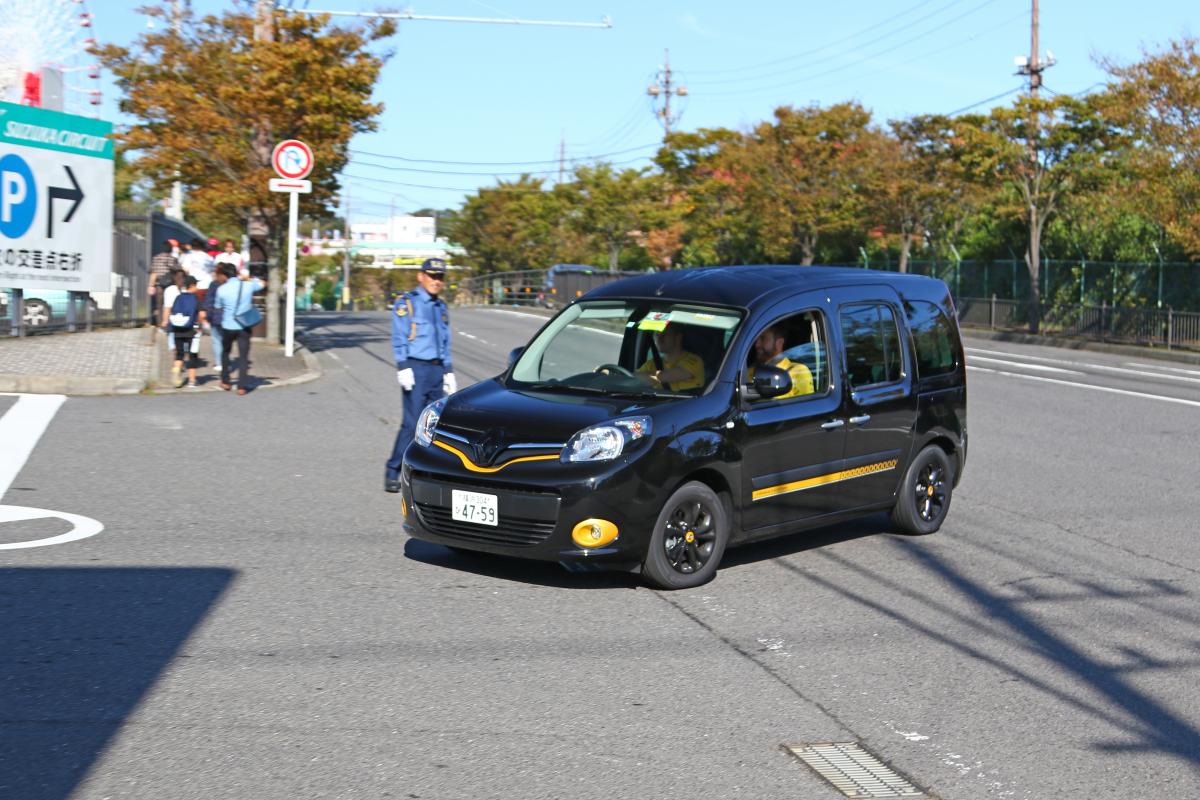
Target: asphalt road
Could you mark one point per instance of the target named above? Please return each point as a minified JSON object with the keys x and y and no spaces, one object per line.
{"x":251,"y":623}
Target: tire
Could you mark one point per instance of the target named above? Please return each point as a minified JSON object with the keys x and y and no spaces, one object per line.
{"x":924,"y":497}
{"x":37,"y":313}
{"x":673,"y":562}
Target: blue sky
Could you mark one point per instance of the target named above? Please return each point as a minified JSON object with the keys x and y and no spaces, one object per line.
{"x":475,"y":93}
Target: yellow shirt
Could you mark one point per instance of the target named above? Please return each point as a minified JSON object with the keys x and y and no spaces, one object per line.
{"x":802,"y":382}
{"x":687,"y":361}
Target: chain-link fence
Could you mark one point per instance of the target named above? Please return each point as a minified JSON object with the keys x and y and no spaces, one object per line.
{"x":126,"y":303}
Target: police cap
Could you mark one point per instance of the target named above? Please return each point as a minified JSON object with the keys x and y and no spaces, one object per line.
{"x":434,"y":267}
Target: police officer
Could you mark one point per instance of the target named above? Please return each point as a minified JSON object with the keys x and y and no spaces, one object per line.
{"x":421,"y":344}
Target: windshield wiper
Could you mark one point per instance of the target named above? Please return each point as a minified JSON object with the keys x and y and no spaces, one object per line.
{"x":646,"y":394}
{"x":534,"y":387}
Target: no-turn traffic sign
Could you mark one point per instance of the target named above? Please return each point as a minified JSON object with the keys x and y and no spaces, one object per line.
{"x":292,"y":159}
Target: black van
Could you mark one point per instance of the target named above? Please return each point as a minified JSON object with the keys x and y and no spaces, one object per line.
{"x":782,"y":398}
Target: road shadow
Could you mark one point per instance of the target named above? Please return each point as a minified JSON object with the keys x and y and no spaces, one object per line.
{"x":518,"y":570}
{"x":79,"y":649}
{"x":814,"y":539}
{"x":1106,"y":691}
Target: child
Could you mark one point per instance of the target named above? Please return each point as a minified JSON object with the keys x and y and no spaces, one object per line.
{"x":186,"y":314}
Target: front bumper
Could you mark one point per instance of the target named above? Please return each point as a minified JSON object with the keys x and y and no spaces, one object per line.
{"x":538,"y":505}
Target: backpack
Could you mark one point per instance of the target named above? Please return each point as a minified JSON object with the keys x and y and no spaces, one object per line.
{"x":184,"y":312}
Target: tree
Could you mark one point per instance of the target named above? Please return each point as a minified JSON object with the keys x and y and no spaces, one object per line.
{"x":614,"y":208}
{"x":511,"y":226}
{"x":807,"y":171}
{"x":1040,"y":150}
{"x":200,"y":94}
{"x":1157,"y":102}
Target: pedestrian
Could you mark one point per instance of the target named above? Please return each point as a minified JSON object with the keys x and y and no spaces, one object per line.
{"x":235,"y":304}
{"x":169,"y":296}
{"x":161,"y":267}
{"x":231,"y":256}
{"x":421,"y":346}
{"x":213,"y":247}
{"x":199,"y":265}
{"x":185,"y":317}
{"x":213,"y":314}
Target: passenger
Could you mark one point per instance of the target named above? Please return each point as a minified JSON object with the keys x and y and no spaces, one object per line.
{"x":681,"y":370}
{"x":768,"y":350}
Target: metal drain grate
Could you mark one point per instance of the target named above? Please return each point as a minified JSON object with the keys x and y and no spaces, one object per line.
{"x":854,"y":771}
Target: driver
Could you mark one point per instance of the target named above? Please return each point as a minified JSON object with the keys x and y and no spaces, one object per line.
{"x":680,"y":369}
{"x":768,"y":351}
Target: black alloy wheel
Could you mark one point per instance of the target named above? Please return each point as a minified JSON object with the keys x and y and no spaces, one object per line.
{"x":689,"y":538}
{"x":924,"y":497}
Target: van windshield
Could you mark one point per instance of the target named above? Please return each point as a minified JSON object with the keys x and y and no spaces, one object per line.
{"x":628,"y":347}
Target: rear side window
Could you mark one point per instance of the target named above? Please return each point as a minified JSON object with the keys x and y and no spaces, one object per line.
{"x":872,"y":345}
{"x":935,"y":338}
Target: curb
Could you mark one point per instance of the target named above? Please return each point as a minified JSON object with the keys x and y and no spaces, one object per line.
{"x":1157,"y":353}
{"x":80,"y":386}
{"x":312,"y":372}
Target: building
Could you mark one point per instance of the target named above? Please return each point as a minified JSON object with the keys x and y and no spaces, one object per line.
{"x":402,"y":242}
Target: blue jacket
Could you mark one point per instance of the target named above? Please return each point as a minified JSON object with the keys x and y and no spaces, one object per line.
{"x":420,"y":328}
{"x":228,"y":305}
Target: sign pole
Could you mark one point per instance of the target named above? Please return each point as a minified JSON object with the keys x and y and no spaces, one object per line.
{"x":293,"y":212}
{"x":293,"y":161}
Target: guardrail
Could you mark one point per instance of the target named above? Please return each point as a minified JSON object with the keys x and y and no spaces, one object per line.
{"x":1163,"y":327}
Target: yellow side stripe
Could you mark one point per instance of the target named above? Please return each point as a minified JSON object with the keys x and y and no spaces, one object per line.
{"x":475,"y":468}
{"x":821,"y":480}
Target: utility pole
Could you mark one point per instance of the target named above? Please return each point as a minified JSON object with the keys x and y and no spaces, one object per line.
{"x":562,"y":156}
{"x":259,"y":227}
{"x":1033,"y":66}
{"x":663,"y":89}
{"x":177,"y":187}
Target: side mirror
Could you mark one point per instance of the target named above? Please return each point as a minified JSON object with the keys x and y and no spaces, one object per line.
{"x":771,"y":382}
{"x":514,"y":354}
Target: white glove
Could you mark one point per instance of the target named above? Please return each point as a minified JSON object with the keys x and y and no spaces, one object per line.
{"x":449,"y":384}
{"x":406,"y":379}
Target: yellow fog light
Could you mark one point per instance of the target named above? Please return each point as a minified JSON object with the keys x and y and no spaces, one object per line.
{"x":594,"y":533}
{"x":403,"y":507}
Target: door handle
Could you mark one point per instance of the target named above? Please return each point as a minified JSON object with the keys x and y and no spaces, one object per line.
{"x":864,"y":419}
{"x":833,"y":424}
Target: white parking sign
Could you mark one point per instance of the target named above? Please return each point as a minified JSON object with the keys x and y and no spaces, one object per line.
{"x":56,"y":200}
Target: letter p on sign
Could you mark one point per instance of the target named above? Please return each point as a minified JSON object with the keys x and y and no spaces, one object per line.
{"x":18,"y":196}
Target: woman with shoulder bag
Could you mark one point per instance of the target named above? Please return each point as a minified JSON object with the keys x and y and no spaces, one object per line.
{"x":235,"y":302}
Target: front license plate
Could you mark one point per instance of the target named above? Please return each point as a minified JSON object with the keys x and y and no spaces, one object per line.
{"x":473,"y":507}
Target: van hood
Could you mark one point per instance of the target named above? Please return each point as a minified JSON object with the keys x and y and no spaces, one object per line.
{"x":491,"y":419}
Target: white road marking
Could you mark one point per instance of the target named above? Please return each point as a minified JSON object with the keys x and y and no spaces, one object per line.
{"x":335,"y":356}
{"x":84,"y":526}
{"x":1179,"y":400}
{"x":1085,"y":364}
{"x":1165,"y":369}
{"x":20,"y":429}
{"x":1042,"y":367}
{"x":517,"y":313}
{"x":474,"y":338}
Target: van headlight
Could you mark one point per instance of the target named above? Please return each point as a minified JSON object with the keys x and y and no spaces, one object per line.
{"x":605,"y":442}
{"x":428,"y":421}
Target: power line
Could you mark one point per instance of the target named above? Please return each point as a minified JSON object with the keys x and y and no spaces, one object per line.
{"x":986,"y":100}
{"x":531,"y":173}
{"x":463,"y":190}
{"x":793,"y":82}
{"x":503,"y":163}
{"x":809,"y":53}
{"x":858,"y":46}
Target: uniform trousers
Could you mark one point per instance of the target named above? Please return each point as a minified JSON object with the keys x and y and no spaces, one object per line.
{"x":427,"y":387}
